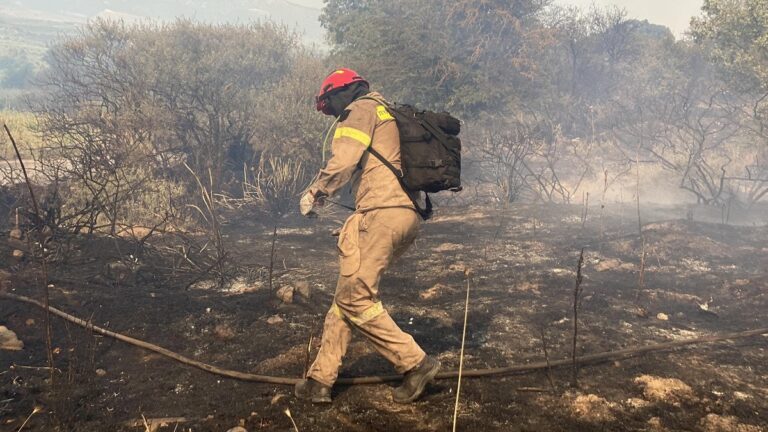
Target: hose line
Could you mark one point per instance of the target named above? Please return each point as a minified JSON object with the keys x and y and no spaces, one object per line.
{"x":509,"y":370}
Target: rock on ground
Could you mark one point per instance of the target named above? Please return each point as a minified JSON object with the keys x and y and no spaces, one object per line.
{"x":9,"y":341}
{"x":303,"y":289}
{"x":285,"y":294}
{"x":224,"y":332}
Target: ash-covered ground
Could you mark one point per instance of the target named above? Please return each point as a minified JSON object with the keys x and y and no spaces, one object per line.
{"x":698,"y":278}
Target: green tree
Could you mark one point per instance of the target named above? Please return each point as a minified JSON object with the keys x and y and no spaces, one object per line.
{"x":466,"y":56}
{"x":736,"y":31}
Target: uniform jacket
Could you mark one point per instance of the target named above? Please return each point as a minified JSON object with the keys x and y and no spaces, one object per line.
{"x":366,"y":123}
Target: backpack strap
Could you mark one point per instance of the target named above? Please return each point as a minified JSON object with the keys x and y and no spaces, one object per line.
{"x":426,"y":212}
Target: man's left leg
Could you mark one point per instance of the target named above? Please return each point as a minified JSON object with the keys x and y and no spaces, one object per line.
{"x":385,"y":234}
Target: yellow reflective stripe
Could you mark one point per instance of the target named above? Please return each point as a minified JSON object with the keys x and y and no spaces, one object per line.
{"x":369,"y":314}
{"x":383,"y":113}
{"x":336,"y":311}
{"x":348,"y":132}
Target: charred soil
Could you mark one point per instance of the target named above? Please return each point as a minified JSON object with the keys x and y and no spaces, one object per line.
{"x":698,"y":278}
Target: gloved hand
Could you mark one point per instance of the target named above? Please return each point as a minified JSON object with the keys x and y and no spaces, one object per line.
{"x":307,"y":204}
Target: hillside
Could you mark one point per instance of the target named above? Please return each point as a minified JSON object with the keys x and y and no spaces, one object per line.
{"x":28,"y":27}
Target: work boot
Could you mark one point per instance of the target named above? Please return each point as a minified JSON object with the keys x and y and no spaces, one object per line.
{"x":415,"y":380}
{"x":311,"y":390}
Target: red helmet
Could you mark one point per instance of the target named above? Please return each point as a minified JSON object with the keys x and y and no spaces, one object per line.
{"x":337,"y":79}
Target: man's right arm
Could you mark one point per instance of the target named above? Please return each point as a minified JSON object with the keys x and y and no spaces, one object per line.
{"x":350,"y":141}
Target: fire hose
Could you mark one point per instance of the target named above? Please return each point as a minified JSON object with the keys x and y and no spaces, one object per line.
{"x":508,"y":370}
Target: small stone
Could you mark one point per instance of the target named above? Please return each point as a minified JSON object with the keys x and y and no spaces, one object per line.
{"x":9,"y":341}
{"x":18,"y":254}
{"x":15,"y":234}
{"x":274,"y":319}
{"x":304,"y":289}
{"x":285,"y":294}
{"x":101,"y":372}
{"x":223,"y":331}
{"x":662,"y":316}
{"x":30,"y":322}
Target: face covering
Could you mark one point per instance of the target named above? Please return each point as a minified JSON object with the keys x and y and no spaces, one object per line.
{"x":339,"y":100}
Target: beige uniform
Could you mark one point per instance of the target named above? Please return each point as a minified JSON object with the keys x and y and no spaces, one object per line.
{"x":384,"y":225}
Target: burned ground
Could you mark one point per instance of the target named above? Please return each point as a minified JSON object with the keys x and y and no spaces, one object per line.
{"x":699,"y":278}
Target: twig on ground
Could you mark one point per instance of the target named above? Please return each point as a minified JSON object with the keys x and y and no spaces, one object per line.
{"x":43,"y":265}
{"x":546,"y":359}
{"x":637,"y":191}
{"x":35,"y":410}
{"x":602,"y":209}
{"x":288,"y":413}
{"x":576,"y":295}
{"x":641,"y":277}
{"x":308,"y":357}
{"x":155,"y":423}
{"x":467,"y":275}
{"x":205,"y":272}
{"x":15,"y":366}
{"x":272,"y":257}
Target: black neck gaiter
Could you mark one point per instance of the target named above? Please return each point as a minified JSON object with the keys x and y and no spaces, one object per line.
{"x":339,"y":100}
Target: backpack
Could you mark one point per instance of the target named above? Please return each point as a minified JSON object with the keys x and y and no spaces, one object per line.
{"x":430,"y":151}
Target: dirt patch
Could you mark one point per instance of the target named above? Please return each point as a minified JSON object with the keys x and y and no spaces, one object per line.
{"x":448,"y":247}
{"x":668,"y":390}
{"x":613,"y":264}
{"x":592,"y":408}
{"x":716,"y":423}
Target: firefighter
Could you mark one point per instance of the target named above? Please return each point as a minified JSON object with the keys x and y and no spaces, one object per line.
{"x":384,"y":224}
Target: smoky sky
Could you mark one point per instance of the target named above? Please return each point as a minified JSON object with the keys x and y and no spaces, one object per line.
{"x":675,"y":14}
